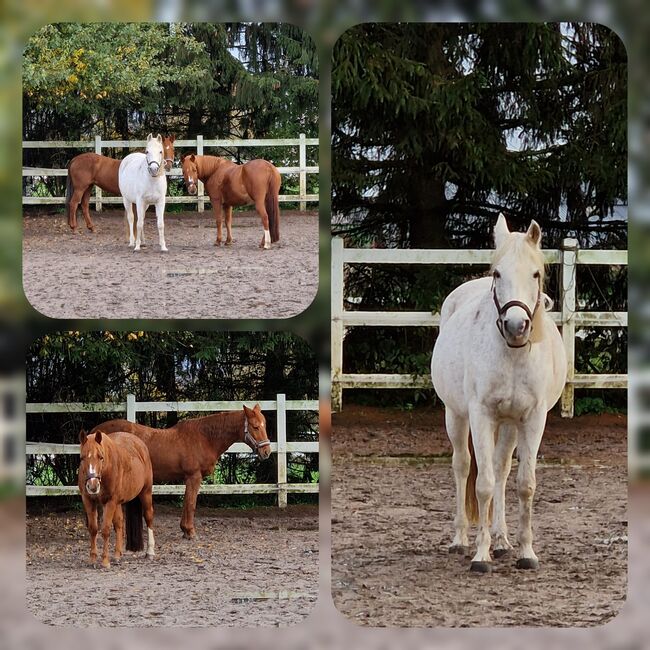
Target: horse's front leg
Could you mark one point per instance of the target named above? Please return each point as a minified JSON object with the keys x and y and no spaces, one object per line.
{"x":217,"y":208}
{"x":160,"y":219}
{"x":141,"y":208}
{"x":529,"y":439}
{"x":192,"y":485}
{"x":107,"y":524}
{"x":93,"y":528}
{"x":228,"y":218}
{"x":146,"y":499}
{"x":483,"y":428}
{"x":458,"y":432}
{"x":506,"y":443}
{"x":128,"y":212}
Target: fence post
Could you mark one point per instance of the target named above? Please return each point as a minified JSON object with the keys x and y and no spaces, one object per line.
{"x":302,"y":163}
{"x":98,"y":191}
{"x":130,"y":407}
{"x":200,"y":190}
{"x":281,"y":414}
{"x":337,"y":330}
{"x":569,"y":273}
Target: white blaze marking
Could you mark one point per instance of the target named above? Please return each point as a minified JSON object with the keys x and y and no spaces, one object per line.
{"x":267,"y":239}
{"x":92,"y":469}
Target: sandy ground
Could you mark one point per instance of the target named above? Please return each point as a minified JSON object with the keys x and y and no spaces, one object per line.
{"x":246,"y":568}
{"x":96,"y":275}
{"x":392,"y":521}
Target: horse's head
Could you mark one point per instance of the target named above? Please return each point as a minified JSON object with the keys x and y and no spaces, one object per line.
{"x":517,"y":285}
{"x":155,"y":155}
{"x":190,"y":173}
{"x":168,"y":151}
{"x":93,"y":461}
{"x":255,"y":431}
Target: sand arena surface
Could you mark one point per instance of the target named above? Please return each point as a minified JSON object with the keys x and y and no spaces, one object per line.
{"x":245,"y":568}
{"x":393,"y":503}
{"x":97,"y":275}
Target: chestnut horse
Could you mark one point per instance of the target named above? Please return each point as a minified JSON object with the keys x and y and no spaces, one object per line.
{"x":116,"y":469}
{"x":228,"y":184}
{"x":190,"y":450}
{"x":88,"y":169}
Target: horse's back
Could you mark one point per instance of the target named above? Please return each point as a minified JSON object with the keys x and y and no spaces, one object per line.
{"x":463,"y":296}
{"x":94,"y":169}
{"x":135,"y":455}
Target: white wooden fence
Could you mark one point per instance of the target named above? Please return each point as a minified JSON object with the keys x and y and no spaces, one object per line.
{"x":131,"y":407}
{"x":569,"y":256}
{"x":197,"y":145}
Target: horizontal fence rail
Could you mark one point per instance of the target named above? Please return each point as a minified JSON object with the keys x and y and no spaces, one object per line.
{"x":131,"y":408}
{"x":568,"y":318}
{"x":199,"y":143}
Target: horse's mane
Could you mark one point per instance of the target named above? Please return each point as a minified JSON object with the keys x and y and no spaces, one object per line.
{"x":214,"y":426}
{"x":520,"y":245}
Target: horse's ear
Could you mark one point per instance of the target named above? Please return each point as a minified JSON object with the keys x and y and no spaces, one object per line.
{"x":159,"y":137}
{"x":534,"y":233}
{"x":248,"y":411}
{"x":192,"y":157}
{"x":149,"y":137}
{"x":172,"y":138}
{"x":501,"y":231}
{"x":83,"y":434}
{"x":98,"y":437}
{"x":257,"y":408}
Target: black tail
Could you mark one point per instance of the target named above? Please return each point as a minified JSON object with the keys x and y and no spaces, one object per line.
{"x":133,"y":515}
{"x":272,"y":205}
{"x":68,"y":194}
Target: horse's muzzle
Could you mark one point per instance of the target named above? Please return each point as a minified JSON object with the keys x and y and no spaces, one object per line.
{"x":153,"y":168}
{"x":264,"y":452}
{"x":93,"y":486}
{"x":191,"y":188}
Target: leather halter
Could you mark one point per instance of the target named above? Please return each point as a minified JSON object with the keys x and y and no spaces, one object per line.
{"x":503,"y":309}
{"x":250,"y":441}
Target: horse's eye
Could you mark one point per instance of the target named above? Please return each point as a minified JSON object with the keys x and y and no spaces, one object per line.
{"x":496,"y":274}
{"x":536,"y":275}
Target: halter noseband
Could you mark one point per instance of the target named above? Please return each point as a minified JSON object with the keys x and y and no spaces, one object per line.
{"x":502,"y":310}
{"x":250,"y":441}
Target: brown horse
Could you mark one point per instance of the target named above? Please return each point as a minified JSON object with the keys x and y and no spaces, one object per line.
{"x":228,"y":184}
{"x":116,"y":469}
{"x":190,"y":450}
{"x":88,"y":169}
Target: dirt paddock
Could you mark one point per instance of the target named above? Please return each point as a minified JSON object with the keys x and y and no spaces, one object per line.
{"x":393,"y":501}
{"x":96,"y":275}
{"x":245,"y":568}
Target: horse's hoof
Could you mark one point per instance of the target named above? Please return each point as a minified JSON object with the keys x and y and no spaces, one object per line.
{"x":230,"y":243}
{"x":459,"y":549}
{"x":501,"y":552}
{"x":164,"y":250}
{"x":527,"y":563}
{"x":149,"y":556}
{"x":481,"y":567}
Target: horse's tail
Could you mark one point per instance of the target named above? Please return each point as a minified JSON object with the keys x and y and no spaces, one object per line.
{"x":471,"y":502}
{"x":68,"y":193}
{"x":272,"y":204}
{"x":133,"y":516}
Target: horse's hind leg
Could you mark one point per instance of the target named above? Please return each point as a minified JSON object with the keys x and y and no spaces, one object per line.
{"x":458,"y":432}
{"x":118,"y":525}
{"x":264,"y":216}
{"x":75,"y":200}
{"x":228,"y":218}
{"x":147,"y":510}
{"x":529,"y":439}
{"x":85,"y":209}
{"x":506,"y":443}
{"x":160,"y":218}
{"x":217,"y":208}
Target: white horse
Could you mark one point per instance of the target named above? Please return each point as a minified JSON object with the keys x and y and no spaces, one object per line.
{"x":499,"y":366}
{"x":142,"y":181}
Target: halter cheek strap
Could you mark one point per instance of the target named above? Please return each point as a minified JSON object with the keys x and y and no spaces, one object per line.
{"x":502,"y":310}
{"x":250,"y":441}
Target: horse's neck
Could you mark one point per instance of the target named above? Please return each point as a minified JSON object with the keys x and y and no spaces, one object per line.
{"x":207,"y":166}
{"x":222,"y":429}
